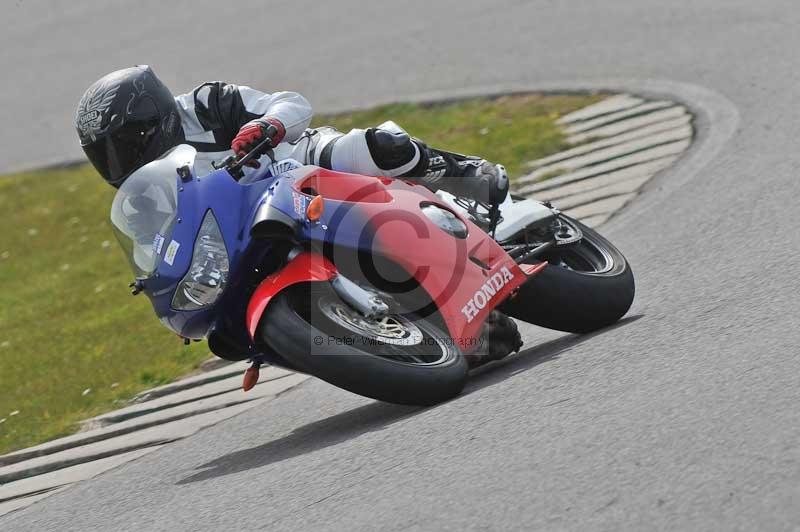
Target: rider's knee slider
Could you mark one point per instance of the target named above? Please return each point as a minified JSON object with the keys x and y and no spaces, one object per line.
{"x":391,"y":150}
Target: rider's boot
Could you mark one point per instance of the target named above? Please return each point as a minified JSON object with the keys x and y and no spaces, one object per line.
{"x":499,"y":338}
{"x":461,"y":175}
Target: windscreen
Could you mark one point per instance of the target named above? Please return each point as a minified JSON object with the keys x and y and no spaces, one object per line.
{"x":144,"y":212}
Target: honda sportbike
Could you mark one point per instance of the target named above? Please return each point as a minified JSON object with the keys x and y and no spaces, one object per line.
{"x":376,"y":285}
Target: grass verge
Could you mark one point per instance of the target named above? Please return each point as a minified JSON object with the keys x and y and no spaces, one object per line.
{"x":74,"y":343}
{"x":511,"y":130}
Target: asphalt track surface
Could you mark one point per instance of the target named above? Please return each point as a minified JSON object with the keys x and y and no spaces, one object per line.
{"x":684,"y":416}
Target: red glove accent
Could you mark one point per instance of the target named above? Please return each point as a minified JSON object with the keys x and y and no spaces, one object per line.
{"x":254,"y":132}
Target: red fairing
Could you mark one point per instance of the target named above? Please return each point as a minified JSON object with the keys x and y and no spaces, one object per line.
{"x":305,"y":267}
{"x":466,"y":278}
{"x":533,"y":269}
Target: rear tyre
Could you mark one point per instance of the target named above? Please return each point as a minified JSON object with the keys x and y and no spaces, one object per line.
{"x":586,"y":287}
{"x":403,"y":359}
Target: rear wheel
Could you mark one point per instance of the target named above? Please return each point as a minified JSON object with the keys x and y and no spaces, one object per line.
{"x":587,"y":286}
{"x":399,"y":358}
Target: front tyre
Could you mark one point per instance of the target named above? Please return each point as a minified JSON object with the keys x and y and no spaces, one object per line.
{"x":587,"y":286}
{"x":400,"y":359}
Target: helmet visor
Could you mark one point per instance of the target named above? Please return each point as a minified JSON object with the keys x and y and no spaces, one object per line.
{"x":117,"y":154}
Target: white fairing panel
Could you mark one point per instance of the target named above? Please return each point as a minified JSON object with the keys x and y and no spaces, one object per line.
{"x":516,"y":215}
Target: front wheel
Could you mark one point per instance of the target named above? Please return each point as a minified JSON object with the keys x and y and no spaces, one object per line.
{"x":587,"y":286}
{"x":400,"y":358}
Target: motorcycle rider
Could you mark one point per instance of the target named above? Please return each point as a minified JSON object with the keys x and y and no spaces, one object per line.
{"x":128,"y":118}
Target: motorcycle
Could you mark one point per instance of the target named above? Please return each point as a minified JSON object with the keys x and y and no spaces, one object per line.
{"x":375,"y":285}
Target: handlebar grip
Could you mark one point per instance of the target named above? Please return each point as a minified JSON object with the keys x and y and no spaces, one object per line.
{"x":234,"y":165}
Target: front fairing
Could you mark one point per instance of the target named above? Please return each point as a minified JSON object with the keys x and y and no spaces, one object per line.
{"x":233,"y":205}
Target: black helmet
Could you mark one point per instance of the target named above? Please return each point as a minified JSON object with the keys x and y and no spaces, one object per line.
{"x":125,"y":120}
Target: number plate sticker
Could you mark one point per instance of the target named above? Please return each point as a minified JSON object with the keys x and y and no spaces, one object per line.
{"x":172,"y":251}
{"x":158,"y":244}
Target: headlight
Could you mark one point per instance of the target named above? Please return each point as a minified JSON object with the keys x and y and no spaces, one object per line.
{"x":208,"y":273}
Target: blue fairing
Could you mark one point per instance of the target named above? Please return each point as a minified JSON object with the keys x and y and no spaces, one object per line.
{"x":236,"y":207}
{"x":233,"y":207}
